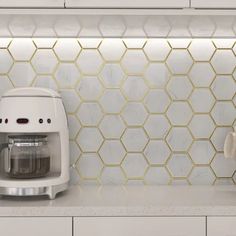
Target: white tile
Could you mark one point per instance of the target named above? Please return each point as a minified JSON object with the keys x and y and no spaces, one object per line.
{"x":157,"y":126}
{"x":223,"y":167}
{"x":202,"y":152}
{"x":134,"y":165}
{"x":46,"y":81}
{"x":202,"y":49}
{"x":44,"y":42}
{"x":112,"y":101}
{"x":112,"y":176}
{"x":112,"y":26}
{"x":218,"y":137}
{"x":44,"y":61}
{"x":74,"y":176}
{"x":4,"y":42}
{"x":222,"y":56}
{"x":89,"y":88}
{"x":202,"y":100}
{"x":224,"y":87}
{"x":157,"y":49}
{"x":70,"y":99}
{"x":202,"y":74}
{"x":22,"y":74}
{"x":157,"y":176}
{"x":67,"y":49}
{"x":112,"y":49}
{"x":179,"y":113}
{"x":74,"y":153}
{"x":90,"y":62}
{"x":134,"y":139}
{"x":5,"y":84}
{"x":74,"y":126}
{"x":224,"y":181}
{"x":134,"y":62}
{"x":90,"y":43}
{"x":202,"y":175}
{"x":157,"y":101}
{"x":157,"y":75}
{"x":67,"y":75}
{"x":224,"y":113}
{"x":134,"y":88}
{"x":89,"y":113}
{"x":89,"y":139}
{"x":134,"y":43}
{"x":179,"y":43}
{"x":68,"y":26}
{"x":6,"y":61}
{"x":179,"y":61}
{"x":112,"y":126}
{"x":202,"y":126}
{"x":224,"y":43}
{"x":179,"y":87}
{"x":22,"y":49}
{"x":112,"y":152}
{"x":179,"y":139}
{"x":179,"y":165}
{"x":134,"y":114}
{"x":112,"y":75}
{"x":157,"y":26}
{"x":89,"y":165}
{"x":157,"y":152}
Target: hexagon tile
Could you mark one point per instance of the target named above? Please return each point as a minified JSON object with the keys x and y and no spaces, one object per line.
{"x":140,"y":111}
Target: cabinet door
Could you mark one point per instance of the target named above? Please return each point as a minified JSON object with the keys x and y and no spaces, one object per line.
{"x":31,"y":3}
{"x":36,"y":226}
{"x":213,"y":3}
{"x":221,"y":226}
{"x":139,"y":226}
{"x":127,"y":3}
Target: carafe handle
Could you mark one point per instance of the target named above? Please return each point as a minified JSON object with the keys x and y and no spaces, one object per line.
{"x":9,"y":146}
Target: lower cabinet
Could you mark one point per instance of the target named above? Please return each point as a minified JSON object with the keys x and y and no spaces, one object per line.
{"x":35,"y":226}
{"x":140,"y":226}
{"x":221,"y":226}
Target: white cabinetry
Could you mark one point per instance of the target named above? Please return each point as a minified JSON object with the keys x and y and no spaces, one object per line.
{"x":31,"y":3}
{"x":139,"y":226}
{"x":127,"y":3}
{"x":36,"y":226}
{"x":213,"y":4}
{"x":221,"y":226}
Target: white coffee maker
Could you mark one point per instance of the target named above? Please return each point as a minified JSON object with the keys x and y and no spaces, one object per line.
{"x":34,"y":143}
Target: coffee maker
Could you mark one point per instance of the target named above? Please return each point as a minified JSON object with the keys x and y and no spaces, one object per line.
{"x":34,"y":143}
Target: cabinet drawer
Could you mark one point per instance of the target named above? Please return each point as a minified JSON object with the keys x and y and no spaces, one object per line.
{"x":127,"y":4}
{"x":139,"y":226}
{"x":36,"y":226}
{"x":32,"y":3}
{"x":221,"y":226}
{"x":213,"y":3}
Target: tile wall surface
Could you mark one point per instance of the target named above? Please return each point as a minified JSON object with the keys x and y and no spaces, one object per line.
{"x":141,"y":111}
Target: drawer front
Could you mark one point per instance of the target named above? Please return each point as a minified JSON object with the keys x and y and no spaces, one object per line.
{"x":213,"y":3}
{"x":36,"y":226}
{"x":221,"y":226}
{"x":139,"y":226}
{"x":32,"y":3}
{"x":127,"y":4}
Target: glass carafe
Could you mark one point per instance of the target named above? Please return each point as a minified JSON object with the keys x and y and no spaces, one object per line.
{"x":27,"y":156}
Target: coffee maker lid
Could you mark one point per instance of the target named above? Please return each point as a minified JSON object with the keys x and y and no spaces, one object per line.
{"x":31,"y":92}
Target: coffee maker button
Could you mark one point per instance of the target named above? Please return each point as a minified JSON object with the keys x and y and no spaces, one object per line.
{"x":6,"y":121}
{"x":0,"y":121}
{"x":40,"y":121}
{"x":49,"y":121}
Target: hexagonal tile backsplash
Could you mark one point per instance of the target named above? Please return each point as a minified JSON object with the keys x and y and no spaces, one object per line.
{"x":151,"y":111}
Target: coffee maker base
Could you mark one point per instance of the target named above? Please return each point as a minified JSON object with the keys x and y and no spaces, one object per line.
{"x":50,"y":191}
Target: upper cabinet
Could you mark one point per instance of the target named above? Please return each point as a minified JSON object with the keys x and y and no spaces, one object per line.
{"x":116,"y":4}
{"x":213,"y":4}
{"x":31,"y":3}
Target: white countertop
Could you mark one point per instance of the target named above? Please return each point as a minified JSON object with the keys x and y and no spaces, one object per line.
{"x":128,"y":201}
